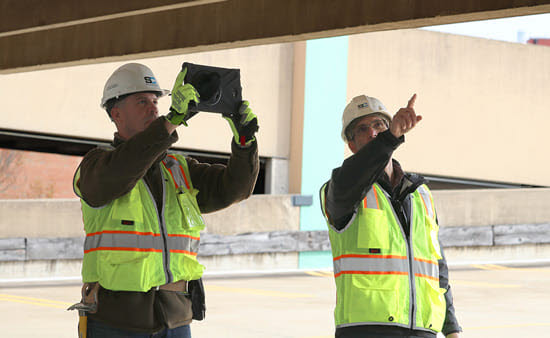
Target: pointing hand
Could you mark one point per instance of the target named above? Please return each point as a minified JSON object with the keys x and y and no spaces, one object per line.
{"x":405,"y":119}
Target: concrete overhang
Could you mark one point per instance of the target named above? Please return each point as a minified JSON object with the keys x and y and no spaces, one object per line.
{"x":36,"y":34}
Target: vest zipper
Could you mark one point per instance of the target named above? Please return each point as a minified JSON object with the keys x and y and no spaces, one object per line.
{"x":411,"y":268}
{"x":160,"y":216}
{"x":412,"y":285}
{"x":166,"y":250}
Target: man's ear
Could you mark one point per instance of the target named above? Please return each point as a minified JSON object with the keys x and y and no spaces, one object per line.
{"x":352,"y":146}
{"x":116,"y":116}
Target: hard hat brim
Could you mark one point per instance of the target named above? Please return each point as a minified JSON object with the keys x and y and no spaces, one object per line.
{"x":161,"y":93}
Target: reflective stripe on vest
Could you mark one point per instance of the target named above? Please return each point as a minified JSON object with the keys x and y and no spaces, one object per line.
{"x":384,"y":265}
{"x":370,"y":265}
{"x":140,"y":241}
{"x":371,"y":200}
{"x":427,"y":201}
{"x":176,"y":170}
{"x":425,"y":268}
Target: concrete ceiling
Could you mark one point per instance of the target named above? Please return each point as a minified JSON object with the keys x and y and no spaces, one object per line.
{"x":37,"y":34}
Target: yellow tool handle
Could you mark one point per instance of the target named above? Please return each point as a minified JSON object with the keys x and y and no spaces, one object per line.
{"x":82,"y":326}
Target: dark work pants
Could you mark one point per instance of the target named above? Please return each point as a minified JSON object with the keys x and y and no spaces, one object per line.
{"x":100,"y":330}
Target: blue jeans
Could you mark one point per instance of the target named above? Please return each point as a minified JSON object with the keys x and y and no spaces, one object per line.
{"x":100,"y":330}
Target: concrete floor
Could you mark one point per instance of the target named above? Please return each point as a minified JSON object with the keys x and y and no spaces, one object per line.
{"x":491,"y":301}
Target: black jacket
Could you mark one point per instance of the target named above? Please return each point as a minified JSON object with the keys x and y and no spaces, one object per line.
{"x":346,"y":189}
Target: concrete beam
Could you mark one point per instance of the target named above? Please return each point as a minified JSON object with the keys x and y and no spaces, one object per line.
{"x":466,"y":236}
{"x":228,"y":24}
{"x":12,"y":243}
{"x":264,"y":242}
{"x":42,"y":15}
{"x":522,"y":234}
{"x":12,"y":249}
{"x":55,"y":248}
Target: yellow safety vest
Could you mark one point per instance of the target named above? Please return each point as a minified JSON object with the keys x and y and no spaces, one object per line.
{"x":132,"y":246}
{"x":383,"y":278}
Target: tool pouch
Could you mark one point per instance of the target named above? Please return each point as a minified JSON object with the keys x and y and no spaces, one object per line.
{"x":173,"y":308}
{"x":89,"y":296}
{"x":196,"y":291}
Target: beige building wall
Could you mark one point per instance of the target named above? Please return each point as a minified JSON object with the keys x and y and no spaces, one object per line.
{"x":66,"y":101}
{"x":485,"y":103}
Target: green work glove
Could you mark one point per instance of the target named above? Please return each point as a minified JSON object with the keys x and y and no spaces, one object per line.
{"x":182,"y":94}
{"x":244,"y":125}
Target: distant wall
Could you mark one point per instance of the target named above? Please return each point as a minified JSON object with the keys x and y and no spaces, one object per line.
{"x":262,"y":233}
{"x":484,"y":102}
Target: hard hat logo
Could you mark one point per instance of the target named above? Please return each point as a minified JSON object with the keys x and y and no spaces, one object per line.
{"x":363,"y":105}
{"x":150,"y":80}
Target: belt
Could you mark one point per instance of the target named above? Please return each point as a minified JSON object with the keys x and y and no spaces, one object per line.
{"x":177,"y":286}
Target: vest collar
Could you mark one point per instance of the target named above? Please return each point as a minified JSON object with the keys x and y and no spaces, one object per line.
{"x":408,"y":182}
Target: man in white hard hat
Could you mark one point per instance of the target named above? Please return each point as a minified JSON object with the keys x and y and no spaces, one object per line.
{"x":390,"y":272}
{"x":142,"y":206}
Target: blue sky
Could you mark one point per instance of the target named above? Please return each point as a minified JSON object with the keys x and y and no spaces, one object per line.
{"x":532,"y":26}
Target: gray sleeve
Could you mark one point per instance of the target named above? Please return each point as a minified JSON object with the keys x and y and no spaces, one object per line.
{"x":350,"y":182}
{"x":450,"y":325}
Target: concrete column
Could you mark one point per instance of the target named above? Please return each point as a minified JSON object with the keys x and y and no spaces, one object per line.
{"x":325,"y":99}
{"x":276,"y":176}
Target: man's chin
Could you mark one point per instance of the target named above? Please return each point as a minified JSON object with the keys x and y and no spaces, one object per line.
{"x":148,"y":123}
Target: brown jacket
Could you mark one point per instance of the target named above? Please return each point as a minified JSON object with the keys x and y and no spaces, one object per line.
{"x":106,"y":175}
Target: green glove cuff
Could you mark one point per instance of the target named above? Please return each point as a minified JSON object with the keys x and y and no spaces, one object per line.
{"x":244,"y":125}
{"x":241,"y":140}
{"x":175,"y":118}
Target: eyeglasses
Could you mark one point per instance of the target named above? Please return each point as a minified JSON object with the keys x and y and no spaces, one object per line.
{"x":378,"y":125}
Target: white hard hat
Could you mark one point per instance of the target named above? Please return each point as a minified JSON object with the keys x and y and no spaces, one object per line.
{"x":131,"y":78}
{"x":362,"y":106}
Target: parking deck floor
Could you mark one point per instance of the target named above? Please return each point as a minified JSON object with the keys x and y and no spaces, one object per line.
{"x":491,"y":301}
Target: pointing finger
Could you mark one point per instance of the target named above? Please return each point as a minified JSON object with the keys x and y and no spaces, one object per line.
{"x":410,"y":104}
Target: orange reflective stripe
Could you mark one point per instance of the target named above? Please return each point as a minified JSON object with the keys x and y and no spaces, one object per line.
{"x":376,"y":197}
{"x":122,"y":232}
{"x":371,"y":200}
{"x":187,"y":236}
{"x":173,"y":179}
{"x":184,"y":252}
{"x":182,"y":172}
{"x":102,"y":248}
{"x":185,"y":178}
{"x":370,"y":273}
{"x":427,"y":261}
{"x":426,"y":276}
{"x":369,"y":256}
